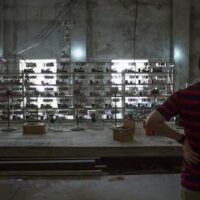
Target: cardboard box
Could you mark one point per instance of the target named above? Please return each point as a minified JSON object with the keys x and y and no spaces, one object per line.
{"x":122,"y":134}
{"x":34,"y":128}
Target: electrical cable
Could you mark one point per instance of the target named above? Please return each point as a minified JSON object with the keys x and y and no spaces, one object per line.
{"x":41,"y":37}
{"x":134,"y":34}
{"x":51,"y":26}
{"x":53,"y":23}
{"x":135,"y":30}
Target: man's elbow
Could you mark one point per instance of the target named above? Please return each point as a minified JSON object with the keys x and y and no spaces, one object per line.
{"x":154,"y":119}
{"x":150,"y":123}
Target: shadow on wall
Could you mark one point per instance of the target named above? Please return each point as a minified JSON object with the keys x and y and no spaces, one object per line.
{"x":194,"y":73}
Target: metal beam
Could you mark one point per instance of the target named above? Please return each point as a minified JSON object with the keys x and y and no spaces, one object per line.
{"x":78,"y":32}
{"x":181,"y":41}
{"x":1,"y":30}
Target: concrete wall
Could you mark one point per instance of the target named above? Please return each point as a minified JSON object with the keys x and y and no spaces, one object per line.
{"x":181,"y":41}
{"x":110,"y":26}
{"x":195,"y":41}
{"x":113,"y":26}
{"x":109,"y":29}
{"x":25,"y":19}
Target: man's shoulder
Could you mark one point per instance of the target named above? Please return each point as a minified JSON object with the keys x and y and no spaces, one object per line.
{"x":190,"y":90}
{"x":192,"y":87}
{"x":195,"y":86}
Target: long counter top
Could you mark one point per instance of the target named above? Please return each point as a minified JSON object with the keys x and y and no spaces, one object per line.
{"x":90,"y":142}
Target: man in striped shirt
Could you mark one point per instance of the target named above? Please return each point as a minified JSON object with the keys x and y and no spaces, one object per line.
{"x":186,"y":104}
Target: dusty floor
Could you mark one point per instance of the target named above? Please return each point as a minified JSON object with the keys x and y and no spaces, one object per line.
{"x":140,"y":187}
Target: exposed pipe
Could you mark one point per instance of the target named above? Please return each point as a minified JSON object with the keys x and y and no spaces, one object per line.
{"x":171,"y":53}
{"x":1,"y":30}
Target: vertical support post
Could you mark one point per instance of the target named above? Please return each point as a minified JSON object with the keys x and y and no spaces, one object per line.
{"x":115,"y":109}
{"x":1,"y":30}
{"x":181,"y":41}
{"x":78,"y":33}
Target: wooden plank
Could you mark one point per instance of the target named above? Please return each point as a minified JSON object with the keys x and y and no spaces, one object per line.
{"x":54,"y":152}
{"x":52,"y":173}
{"x":47,"y":162}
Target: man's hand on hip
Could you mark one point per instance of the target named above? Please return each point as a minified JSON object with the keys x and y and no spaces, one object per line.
{"x":190,"y":155}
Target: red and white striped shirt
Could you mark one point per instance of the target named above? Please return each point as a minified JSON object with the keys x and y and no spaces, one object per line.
{"x":186,"y":104}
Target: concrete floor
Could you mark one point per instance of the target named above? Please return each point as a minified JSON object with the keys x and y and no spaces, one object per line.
{"x":140,"y":187}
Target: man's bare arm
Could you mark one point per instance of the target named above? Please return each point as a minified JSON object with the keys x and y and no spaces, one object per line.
{"x":157,"y":122}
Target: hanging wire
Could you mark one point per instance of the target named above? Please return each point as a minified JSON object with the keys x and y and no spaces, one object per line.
{"x":48,"y":30}
{"x":135,"y":30}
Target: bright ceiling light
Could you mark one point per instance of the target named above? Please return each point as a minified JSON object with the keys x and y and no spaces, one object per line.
{"x":177,"y":53}
{"x":77,"y":53}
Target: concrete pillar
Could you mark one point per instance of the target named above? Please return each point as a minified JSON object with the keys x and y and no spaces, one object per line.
{"x":181,"y":41}
{"x":1,"y":30}
{"x":78,"y":32}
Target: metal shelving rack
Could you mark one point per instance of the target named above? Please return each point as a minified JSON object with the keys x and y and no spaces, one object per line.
{"x":64,"y":95}
{"x":147,"y":87}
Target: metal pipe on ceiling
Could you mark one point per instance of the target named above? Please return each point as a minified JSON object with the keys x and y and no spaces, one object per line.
{"x":1,"y":30}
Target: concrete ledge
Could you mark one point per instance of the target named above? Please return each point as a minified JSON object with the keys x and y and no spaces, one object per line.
{"x":54,"y":152}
